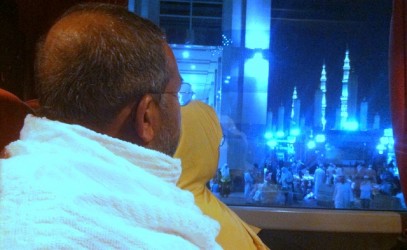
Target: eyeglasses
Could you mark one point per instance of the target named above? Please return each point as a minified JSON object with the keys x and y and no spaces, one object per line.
{"x":181,"y":96}
{"x":174,"y":94}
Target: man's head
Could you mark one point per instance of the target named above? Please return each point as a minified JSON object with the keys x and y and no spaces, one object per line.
{"x":107,"y":69}
{"x":185,"y":93}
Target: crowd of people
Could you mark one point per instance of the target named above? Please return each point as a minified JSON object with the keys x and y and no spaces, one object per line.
{"x":324,"y":185}
{"x":99,"y":165}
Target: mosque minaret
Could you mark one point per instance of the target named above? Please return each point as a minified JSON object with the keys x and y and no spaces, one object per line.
{"x":323,"y":90}
{"x":295,"y":110}
{"x":345,"y":91}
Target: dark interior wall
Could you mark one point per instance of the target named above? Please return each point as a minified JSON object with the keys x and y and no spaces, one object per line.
{"x":300,"y":240}
{"x":22,"y":23}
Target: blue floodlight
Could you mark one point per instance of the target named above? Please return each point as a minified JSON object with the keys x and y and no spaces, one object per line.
{"x":291,"y":139}
{"x":391,"y":141}
{"x":320,"y":138}
{"x":311,"y":145}
{"x":380,"y":148}
{"x":388,"y":132}
{"x":280,"y":134}
{"x":268,"y":135}
{"x":258,"y":56}
{"x":272,"y":143}
{"x":295,"y":131}
{"x":384,"y":140}
{"x":351,"y":126}
{"x":185,"y":54}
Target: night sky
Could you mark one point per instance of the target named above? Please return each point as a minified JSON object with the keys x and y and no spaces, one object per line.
{"x":307,"y":33}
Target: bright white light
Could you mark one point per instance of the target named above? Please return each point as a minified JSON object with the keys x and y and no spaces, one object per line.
{"x":384,"y":140}
{"x":351,"y":126}
{"x":272,"y":143}
{"x":185,"y":54}
{"x":388,"y":132}
{"x":291,"y":139}
{"x":268,"y":135}
{"x":295,"y":132}
{"x":193,"y":66}
{"x":320,"y":138}
{"x":380,"y":147}
{"x":280,"y":134}
{"x":258,"y":56}
{"x":258,"y":68}
{"x":311,"y":145}
{"x":391,"y":141}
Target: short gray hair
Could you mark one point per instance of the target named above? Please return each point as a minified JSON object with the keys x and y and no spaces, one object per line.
{"x":87,"y":73}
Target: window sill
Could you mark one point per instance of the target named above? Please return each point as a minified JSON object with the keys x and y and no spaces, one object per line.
{"x":322,"y":220}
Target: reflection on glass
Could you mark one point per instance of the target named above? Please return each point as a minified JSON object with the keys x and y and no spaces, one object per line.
{"x":305,"y":113}
{"x":185,"y":93}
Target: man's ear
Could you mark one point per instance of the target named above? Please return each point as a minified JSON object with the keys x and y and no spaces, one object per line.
{"x":146,"y":119}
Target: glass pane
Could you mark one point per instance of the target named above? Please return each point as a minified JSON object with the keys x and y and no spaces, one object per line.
{"x":207,"y":31}
{"x":207,"y":9}
{"x":301,"y":90}
{"x":175,"y":8}
{"x":175,"y":28}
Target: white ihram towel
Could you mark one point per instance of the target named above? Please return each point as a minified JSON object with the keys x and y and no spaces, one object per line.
{"x":65,"y":186}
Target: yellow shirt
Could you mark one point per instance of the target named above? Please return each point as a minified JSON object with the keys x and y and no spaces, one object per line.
{"x":199,"y":152}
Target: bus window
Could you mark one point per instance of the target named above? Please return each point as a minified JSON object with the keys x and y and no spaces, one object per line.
{"x":301,"y":90}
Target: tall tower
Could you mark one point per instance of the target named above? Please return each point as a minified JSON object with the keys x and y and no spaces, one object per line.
{"x":295,"y":110}
{"x":323,"y":103}
{"x":345,"y":91}
{"x":320,"y":103}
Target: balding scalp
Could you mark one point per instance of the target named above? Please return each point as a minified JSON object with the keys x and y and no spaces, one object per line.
{"x":96,"y":59}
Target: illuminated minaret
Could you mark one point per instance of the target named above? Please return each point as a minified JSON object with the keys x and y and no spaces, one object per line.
{"x":345,"y":92}
{"x":293,"y":98}
{"x":323,"y":90}
{"x":320,"y":103}
{"x":295,"y":110}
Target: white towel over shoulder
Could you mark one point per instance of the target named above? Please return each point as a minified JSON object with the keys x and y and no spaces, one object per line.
{"x":65,"y":186}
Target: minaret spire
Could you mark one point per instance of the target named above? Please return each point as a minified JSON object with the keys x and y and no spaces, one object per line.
{"x":295,"y":111}
{"x":345,"y":91}
{"x":294,"y":98}
{"x":323,"y":90}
